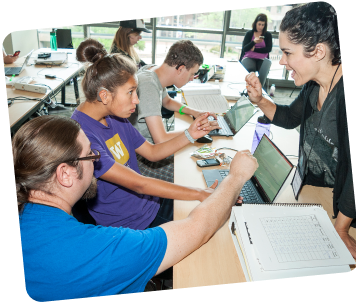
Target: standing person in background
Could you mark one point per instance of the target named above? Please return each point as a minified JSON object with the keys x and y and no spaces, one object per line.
{"x":256,"y":45}
{"x":309,"y":40}
{"x":128,"y":34}
{"x":8,"y":58}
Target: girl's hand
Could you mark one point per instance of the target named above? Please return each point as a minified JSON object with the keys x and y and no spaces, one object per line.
{"x":202,"y":126}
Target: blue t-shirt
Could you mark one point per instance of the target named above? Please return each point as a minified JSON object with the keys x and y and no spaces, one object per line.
{"x":115,"y":205}
{"x":65,"y":259}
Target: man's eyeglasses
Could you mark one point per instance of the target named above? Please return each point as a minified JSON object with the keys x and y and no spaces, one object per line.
{"x":95,"y":156}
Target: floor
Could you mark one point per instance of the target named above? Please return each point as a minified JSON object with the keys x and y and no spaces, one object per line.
{"x":282,"y":96}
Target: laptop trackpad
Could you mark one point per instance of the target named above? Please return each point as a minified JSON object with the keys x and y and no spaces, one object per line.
{"x":210,"y":177}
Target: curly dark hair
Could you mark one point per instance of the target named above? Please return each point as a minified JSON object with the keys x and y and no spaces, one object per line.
{"x":184,"y":52}
{"x":311,"y":24}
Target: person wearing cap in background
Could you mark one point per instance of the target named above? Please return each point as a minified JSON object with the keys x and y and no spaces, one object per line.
{"x":128,"y":34}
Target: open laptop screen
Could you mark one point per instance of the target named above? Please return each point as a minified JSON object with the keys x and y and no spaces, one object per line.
{"x":239,"y":114}
{"x":273,"y":167}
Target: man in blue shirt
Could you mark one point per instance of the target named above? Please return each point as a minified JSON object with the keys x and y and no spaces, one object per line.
{"x":66,"y":259}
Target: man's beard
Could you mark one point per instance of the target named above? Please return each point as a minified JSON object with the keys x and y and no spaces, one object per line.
{"x":91,"y":191}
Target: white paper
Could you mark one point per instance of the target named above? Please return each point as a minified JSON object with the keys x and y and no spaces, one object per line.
{"x":211,"y":103}
{"x":294,"y":237}
{"x":256,"y":269}
{"x":193,"y":88}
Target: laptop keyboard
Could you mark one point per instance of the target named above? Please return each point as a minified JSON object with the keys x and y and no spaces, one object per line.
{"x":12,"y":70}
{"x":248,"y":192}
{"x":224,"y":127}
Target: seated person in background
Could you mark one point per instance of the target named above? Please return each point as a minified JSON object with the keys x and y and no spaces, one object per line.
{"x":125,"y":197}
{"x":8,"y":58}
{"x":179,"y":67}
{"x":65,"y":259}
{"x":255,"y":48}
{"x":309,"y":40}
{"x":128,"y":34}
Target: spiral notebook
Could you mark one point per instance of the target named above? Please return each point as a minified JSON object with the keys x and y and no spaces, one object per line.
{"x":287,"y":240}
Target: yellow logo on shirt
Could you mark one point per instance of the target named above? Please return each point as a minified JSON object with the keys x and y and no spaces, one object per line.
{"x":118,"y":149}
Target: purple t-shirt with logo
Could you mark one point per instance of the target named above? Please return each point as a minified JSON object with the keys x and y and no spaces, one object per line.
{"x":255,"y":55}
{"x":115,"y":205}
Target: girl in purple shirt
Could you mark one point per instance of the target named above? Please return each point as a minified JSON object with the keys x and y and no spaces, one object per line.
{"x":125,"y":197}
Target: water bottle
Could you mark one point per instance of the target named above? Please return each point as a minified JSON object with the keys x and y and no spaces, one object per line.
{"x":53,"y":40}
{"x":262,"y":127}
{"x":272,"y":90}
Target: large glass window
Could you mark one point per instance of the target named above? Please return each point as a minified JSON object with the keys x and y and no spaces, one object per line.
{"x":233,"y":46}
{"x":76,"y":30}
{"x":105,"y":35}
{"x":245,"y":17}
{"x":204,"y":21}
{"x":209,"y":44}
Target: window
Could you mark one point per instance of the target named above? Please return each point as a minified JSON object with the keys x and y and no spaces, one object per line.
{"x":244,"y":18}
{"x":202,"y":21}
{"x":76,"y":30}
{"x":209,"y":44}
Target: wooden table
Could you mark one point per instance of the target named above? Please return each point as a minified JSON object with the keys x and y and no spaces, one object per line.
{"x":217,"y":262}
{"x":21,"y":110}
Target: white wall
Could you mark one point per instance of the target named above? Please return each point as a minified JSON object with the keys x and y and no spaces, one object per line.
{"x":23,"y":41}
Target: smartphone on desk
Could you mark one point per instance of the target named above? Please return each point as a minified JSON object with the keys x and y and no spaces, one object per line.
{"x":16,"y":54}
{"x":208,"y":162}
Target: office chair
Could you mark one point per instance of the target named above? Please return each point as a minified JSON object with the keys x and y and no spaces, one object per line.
{"x":64,"y":38}
{"x":167,"y":114}
{"x":263,"y":72}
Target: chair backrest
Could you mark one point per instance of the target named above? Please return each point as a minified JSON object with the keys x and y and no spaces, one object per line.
{"x":64,"y":38}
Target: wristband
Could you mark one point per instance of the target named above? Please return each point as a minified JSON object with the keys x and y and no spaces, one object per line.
{"x":181,"y":108}
{"x":190,"y":138}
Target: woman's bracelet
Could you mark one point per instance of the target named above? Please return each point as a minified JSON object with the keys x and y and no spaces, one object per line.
{"x":190,"y":138}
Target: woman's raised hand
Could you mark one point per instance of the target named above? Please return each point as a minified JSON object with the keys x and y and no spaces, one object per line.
{"x":253,"y":87}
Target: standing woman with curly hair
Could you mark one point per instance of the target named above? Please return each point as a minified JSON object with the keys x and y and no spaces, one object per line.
{"x":310,"y":44}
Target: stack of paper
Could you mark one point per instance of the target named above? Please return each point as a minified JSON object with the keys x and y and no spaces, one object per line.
{"x":287,"y":241}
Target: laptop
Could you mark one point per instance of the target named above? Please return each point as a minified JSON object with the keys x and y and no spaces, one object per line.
{"x":235,"y":118}
{"x":272,"y":172}
{"x":56,"y":58}
{"x":17,"y":70}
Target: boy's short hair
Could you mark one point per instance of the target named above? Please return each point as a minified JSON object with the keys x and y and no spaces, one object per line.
{"x":184,"y":52}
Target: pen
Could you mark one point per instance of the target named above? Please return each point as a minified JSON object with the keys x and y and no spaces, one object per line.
{"x":12,"y":77}
{"x":184,"y":96}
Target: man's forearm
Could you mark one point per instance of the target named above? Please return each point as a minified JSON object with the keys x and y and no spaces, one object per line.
{"x":214,"y":211}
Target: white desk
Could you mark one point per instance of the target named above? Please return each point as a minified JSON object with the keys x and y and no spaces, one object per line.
{"x":20,"y":111}
{"x":216,"y":262}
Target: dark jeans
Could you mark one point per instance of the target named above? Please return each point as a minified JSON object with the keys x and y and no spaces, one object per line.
{"x":165,"y":213}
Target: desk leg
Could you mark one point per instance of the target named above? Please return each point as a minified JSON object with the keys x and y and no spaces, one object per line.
{"x":63,"y":95}
{"x":76,"y":90}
